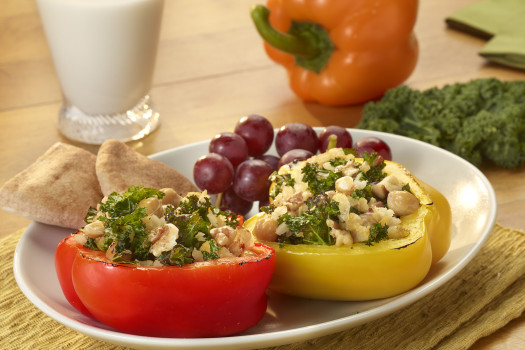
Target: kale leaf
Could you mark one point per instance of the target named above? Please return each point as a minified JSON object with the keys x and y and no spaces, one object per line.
{"x":483,"y":119}
{"x":279,"y":181}
{"x":178,"y":256}
{"x":213,"y":253}
{"x":365,"y":192}
{"x":189,"y":225}
{"x":123,"y":221}
{"x":90,"y":216}
{"x":378,"y":232}
{"x":192,"y":204}
{"x":311,"y":227}
{"x":375,"y":173}
{"x":319,"y":180}
{"x":121,"y":204}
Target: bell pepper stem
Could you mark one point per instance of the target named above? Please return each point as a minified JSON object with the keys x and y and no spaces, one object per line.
{"x":286,"y":42}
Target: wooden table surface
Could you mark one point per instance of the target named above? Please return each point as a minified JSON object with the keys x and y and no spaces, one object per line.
{"x":211,"y":70}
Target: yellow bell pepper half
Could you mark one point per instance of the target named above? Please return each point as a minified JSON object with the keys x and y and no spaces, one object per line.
{"x":362,"y":272}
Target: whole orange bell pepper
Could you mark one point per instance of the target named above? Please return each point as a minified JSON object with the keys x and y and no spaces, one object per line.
{"x":340,"y":52}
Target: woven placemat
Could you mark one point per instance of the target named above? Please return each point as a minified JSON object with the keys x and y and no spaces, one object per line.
{"x":482,"y":298}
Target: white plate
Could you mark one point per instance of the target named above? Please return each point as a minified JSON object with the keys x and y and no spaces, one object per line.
{"x":287,"y":319}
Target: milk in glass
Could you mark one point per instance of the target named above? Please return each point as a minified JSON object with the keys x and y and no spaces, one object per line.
{"x":104,"y":54}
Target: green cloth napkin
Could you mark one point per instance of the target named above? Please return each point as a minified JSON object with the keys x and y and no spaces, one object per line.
{"x":502,"y":22}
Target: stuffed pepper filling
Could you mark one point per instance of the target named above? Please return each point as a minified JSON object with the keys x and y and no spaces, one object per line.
{"x":152,"y":227}
{"x":336,"y":199}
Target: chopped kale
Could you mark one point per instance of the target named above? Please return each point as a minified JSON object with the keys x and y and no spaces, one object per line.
{"x":319,"y":179}
{"x":268,"y":209}
{"x":126,"y":234}
{"x":128,"y":231}
{"x":189,"y":225}
{"x":90,"y":216}
{"x":193,"y":205}
{"x":311,"y":227}
{"x":279,"y":181}
{"x":378,"y":232}
{"x":90,"y":243}
{"x":123,"y":221}
{"x":121,"y":204}
{"x":213,"y":253}
{"x":337,"y":162}
{"x":355,"y":211}
{"x":178,"y":256}
{"x":375,"y":173}
{"x":365,"y":192}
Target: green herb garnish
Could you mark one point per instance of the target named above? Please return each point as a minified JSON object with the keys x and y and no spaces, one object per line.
{"x":375,"y":173}
{"x":126,"y":236}
{"x":122,"y":219}
{"x":378,"y":233}
{"x":311,"y":227}
{"x":319,"y":180}
{"x":279,"y":181}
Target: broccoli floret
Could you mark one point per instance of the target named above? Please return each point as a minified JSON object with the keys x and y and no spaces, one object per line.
{"x":477,"y":120}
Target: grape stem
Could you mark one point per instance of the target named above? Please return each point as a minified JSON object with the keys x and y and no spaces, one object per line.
{"x":332,"y":142}
{"x":218,"y":200}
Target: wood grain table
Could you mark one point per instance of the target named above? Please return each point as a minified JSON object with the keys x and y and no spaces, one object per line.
{"x":211,"y":70}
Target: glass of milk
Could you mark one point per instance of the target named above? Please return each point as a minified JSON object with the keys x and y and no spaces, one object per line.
{"x":104,"y":53}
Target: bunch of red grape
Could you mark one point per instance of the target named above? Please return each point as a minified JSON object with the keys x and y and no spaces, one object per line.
{"x":238,"y":166}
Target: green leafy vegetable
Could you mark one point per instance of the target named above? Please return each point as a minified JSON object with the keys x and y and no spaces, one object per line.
{"x":280,"y":181}
{"x":90,"y":243}
{"x":193,"y":205}
{"x":90,"y":216}
{"x":311,"y":227}
{"x":178,"y":256}
{"x":319,"y":179}
{"x":478,"y":120}
{"x":189,"y":225}
{"x":213,"y":253}
{"x":365,"y":192}
{"x":121,"y":204}
{"x":123,"y":221}
{"x":126,"y":236}
{"x":378,"y":232}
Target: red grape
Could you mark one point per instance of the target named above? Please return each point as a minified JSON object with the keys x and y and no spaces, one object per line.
{"x":344,"y":139}
{"x":213,"y":172}
{"x":270,"y":159}
{"x":296,"y":135}
{"x":251,"y":181}
{"x":257,"y":131}
{"x":370,"y":144}
{"x":231,"y":201}
{"x":294,"y":155}
{"x":230,"y":145}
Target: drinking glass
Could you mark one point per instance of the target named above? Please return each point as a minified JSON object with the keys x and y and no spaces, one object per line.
{"x":104,"y":53}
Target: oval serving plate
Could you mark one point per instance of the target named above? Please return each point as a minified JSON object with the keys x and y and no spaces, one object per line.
{"x":287,"y":319}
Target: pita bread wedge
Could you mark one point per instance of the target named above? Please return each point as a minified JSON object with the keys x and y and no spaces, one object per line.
{"x":57,"y":189}
{"x":119,"y":167}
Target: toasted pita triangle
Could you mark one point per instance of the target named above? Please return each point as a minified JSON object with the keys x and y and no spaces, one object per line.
{"x":57,"y":189}
{"x":120,"y":167}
